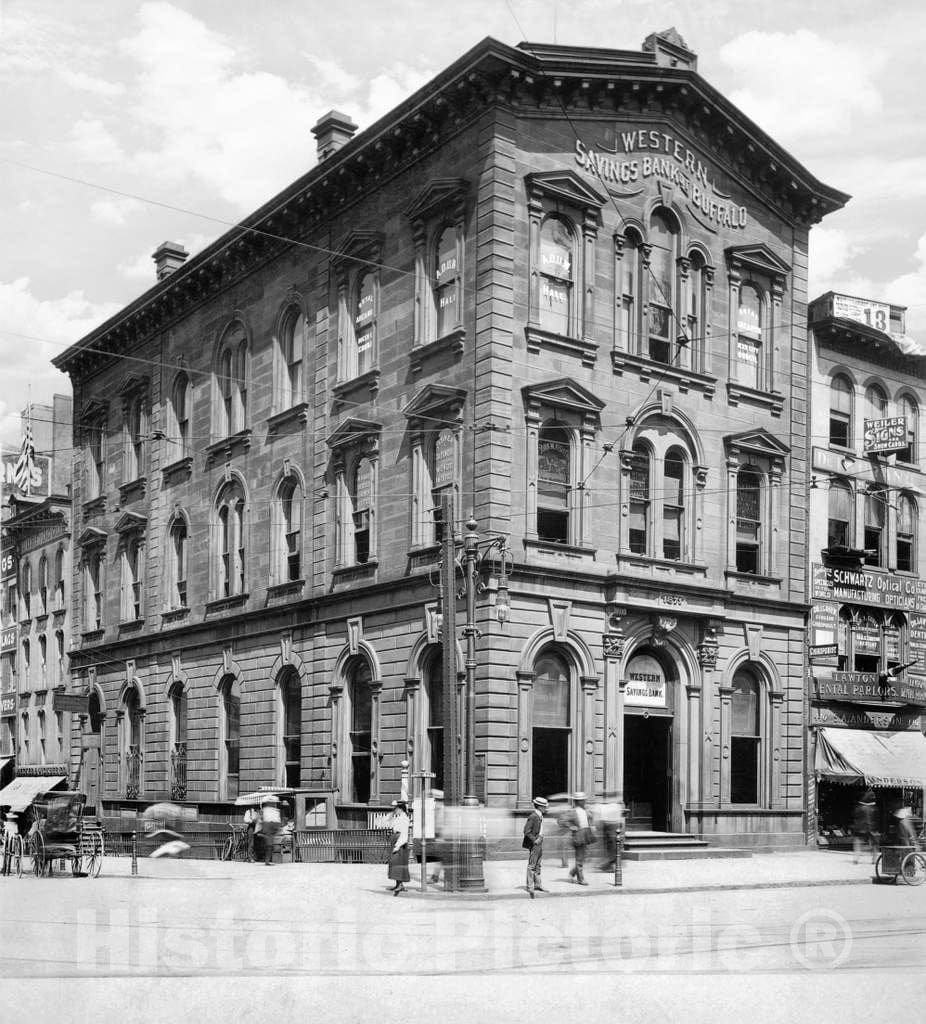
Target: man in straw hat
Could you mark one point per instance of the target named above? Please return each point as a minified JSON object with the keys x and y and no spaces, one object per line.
{"x":533,"y":842}
{"x":581,"y":835}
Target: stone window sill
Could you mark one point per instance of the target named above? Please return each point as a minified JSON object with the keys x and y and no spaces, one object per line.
{"x":351,"y":573}
{"x":584,"y":349}
{"x":222,"y":604}
{"x":454,"y":343}
{"x":368,"y":382}
{"x":297,"y":414}
{"x":682,"y":568}
{"x":552,"y":547}
{"x":92,"y":635}
{"x":95,"y":506}
{"x":228,"y":446}
{"x":292,"y":588}
{"x":648,"y":369}
{"x":133,"y":488}
{"x":180,"y":467}
{"x":174,"y":615}
{"x":773,"y":401}
{"x":754,"y":579}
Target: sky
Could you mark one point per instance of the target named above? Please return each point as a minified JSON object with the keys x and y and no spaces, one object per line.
{"x":126,"y":123}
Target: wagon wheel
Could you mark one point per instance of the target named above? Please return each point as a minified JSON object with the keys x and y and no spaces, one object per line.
{"x":913,"y":868}
{"x":76,"y":863}
{"x":17,"y":855}
{"x":228,"y":848}
{"x":37,"y":849}
{"x":94,"y":860}
{"x":880,"y":873}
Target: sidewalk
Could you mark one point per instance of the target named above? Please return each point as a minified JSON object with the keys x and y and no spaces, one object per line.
{"x":505,"y":879}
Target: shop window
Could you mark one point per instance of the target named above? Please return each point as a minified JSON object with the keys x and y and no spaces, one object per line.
{"x":177,"y":563}
{"x":179,"y":411}
{"x":288,"y":354}
{"x":910,"y":412}
{"x":551,"y":724}
{"x":749,"y":337}
{"x":130,"y":598}
{"x":557,"y":262}
{"x":661,"y":285}
{"x":230,"y":746}
{"x":875,"y":534}
{"x":553,"y":484}
{"x":231,"y":541}
{"x":639,"y":532}
{"x":748,"y":521}
{"x":291,"y":733}
{"x":840,"y":522}
{"x":360,"y":736}
{"x":178,"y":741}
{"x":231,"y":383}
{"x":745,"y":738}
{"x":287,"y":530}
{"x":906,"y":534}
{"x":434,"y":690}
{"x":841,"y":394}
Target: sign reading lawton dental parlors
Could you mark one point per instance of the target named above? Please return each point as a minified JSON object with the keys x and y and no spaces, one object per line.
{"x":625,"y":158}
{"x":865,"y":686}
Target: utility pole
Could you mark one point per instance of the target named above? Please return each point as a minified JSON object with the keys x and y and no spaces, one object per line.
{"x":453,"y":789}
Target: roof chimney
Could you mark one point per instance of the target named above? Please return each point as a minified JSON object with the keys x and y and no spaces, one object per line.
{"x":670,"y":49}
{"x":333,"y":131}
{"x":168,"y":257}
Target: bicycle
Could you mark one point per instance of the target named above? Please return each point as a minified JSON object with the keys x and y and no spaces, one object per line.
{"x":235,"y":846}
{"x":13,"y":853}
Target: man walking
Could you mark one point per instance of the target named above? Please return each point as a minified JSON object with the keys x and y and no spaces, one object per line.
{"x":533,"y":841}
{"x":581,"y":835}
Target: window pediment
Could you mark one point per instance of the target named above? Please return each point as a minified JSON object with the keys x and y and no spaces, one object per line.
{"x":93,"y":536}
{"x":93,"y":409}
{"x":438,"y":401}
{"x":563,"y":394}
{"x":758,"y":258}
{"x":352,"y":431}
{"x":567,"y":187}
{"x":437,"y":195}
{"x":131,"y":522}
{"x":756,"y":442}
{"x":358,"y":245}
{"x":133,"y":385}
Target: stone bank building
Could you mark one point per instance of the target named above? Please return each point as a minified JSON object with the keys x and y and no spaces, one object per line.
{"x":565,"y":285}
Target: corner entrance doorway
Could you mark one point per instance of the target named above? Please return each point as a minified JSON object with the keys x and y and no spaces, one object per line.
{"x":648,"y":772}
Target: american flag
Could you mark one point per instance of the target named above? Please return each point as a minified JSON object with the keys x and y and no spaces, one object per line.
{"x":22,"y":471}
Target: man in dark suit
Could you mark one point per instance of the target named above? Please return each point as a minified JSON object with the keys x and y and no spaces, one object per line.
{"x":533,"y":841}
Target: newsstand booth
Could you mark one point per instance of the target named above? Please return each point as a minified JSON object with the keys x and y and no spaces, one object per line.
{"x":847,"y":762}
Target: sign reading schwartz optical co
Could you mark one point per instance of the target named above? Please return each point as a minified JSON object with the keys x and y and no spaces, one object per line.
{"x":879,"y":588}
{"x":627,"y":158}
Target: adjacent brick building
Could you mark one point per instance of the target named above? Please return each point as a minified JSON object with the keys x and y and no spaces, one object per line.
{"x":566,"y":284}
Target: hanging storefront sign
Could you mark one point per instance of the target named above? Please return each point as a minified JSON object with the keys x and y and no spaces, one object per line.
{"x":76,"y":703}
{"x":850,"y":716}
{"x":8,"y":705}
{"x":860,"y":585}
{"x":863,"y":311}
{"x":865,"y":686}
{"x":7,"y":564}
{"x":9,"y":639}
{"x":34,"y":480}
{"x":645,"y":683}
{"x":885,"y":435}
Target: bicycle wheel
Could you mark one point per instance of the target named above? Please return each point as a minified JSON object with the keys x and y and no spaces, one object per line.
{"x":37,"y":849}
{"x":913,"y":868}
{"x":94,"y":860}
{"x":879,"y":870}
{"x":17,"y":855}
{"x":228,"y":848}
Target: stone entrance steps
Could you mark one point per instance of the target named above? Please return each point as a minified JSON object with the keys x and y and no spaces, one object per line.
{"x":673,"y":846}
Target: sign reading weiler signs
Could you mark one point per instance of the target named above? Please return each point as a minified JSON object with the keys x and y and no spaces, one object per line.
{"x":885,"y":435}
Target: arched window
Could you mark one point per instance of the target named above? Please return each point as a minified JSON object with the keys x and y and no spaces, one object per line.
{"x":661,"y":287}
{"x":24,"y":737}
{"x":230,"y":748}
{"x":360,"y":734}
{"x":434,"y":691}
{"x":554,"y":476}
{"x":840,"y":523}
{"x":361,"y":504}
{"x":178,"y":751}
{"x":365,"y":322}
{"x":180,"y":409}
{"x":25,"y":589}
{"x":875,"y":534}
{"x":697,"y":312}
{"x":96,"y":456}
{"x":43,"y":736}
{"x":748,"y":520}
{"x":290,"y":354}
{"x":910,"y":413}
{"x":749,"y":328}
{"x":177,"y":555}
{"x":287,"y":522}
{"x":557,"y":260}
{"x":43,"y":585}
{"x":627,"y":290}
{"x":27,"y":663}
{"x":551,"y":724}
{"x":875,"y":403}
{"x":745,"y":738}
{"x":291,"y":720}
{"x":446,"y":281}
{"x":231,"y":538}
{"x":59,"y":579}
{"x":841,"y":431}
{"x":136,"y":438}
{"x":130,"y":600}
{"x":673,"y":505}
{"x":639,"y":501}
{"x":132,"y":743}
{"x":906,"y":534}
{"x":232,"y":383}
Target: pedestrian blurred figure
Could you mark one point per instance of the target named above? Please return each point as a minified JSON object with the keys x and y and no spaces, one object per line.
{"x":864,"y":826}
{"x":611,"y":815}
{"x":398,"y":857}
{"x":533,"y":842}
{"x":581,"y":835}
{"x":270,"y":823}
{"x":904,"y":831}
{"x":169,"y":834}
{"x":251,"y":817}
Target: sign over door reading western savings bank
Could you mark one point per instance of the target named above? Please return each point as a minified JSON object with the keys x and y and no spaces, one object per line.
{"x":627,"y":158}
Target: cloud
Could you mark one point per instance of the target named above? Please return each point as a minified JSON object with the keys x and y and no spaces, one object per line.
{"x":800,"y":85}
{"x":92,"y":141}
{"x":831,"y":253}
{"x":906,"y":289}
{"x":115,"y":211}
{"x":141,"y":266}
{"x":90,"y":83}
{"x":334,"y":78}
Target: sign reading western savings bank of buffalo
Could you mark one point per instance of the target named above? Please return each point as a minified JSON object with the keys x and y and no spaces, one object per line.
{"x":861,"y":585}
{"x":627,"y":158}
{"x":645,"y":683}
{"x":864,"y":686}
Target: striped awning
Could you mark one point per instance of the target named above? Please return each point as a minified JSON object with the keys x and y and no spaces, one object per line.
{"x":20,"y":793}
{"x":874,"y":758}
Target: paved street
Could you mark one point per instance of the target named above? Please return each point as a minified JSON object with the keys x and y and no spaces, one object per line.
{"x":205,"y":920}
